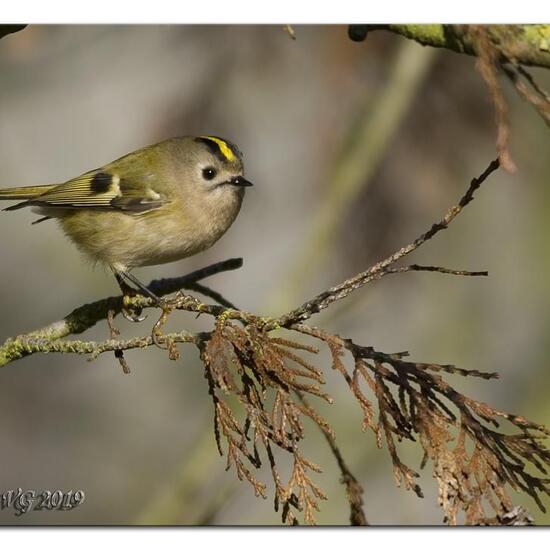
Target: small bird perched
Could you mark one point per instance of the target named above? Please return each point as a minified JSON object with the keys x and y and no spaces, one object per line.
{"x":156,"y":205}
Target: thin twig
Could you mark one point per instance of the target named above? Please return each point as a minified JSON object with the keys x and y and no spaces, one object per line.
{"x":162,"y":287}
{"x":529,"y":77}
{"x":437,"y":269}
{"x":377,"y":271}
{"x":216,"y":296}
{"x":354,"y":490}
{"x":488,"y":66}
{"x":538,"y":98}
{"x":119,"y":354}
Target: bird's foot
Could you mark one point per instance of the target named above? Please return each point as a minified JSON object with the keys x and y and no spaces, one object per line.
{"x":130,"y":311}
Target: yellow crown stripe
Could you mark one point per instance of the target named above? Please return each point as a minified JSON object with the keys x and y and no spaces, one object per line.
{"x":224,"y":148}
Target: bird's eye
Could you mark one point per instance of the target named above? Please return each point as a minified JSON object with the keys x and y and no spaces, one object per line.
{"x":209,"y":173}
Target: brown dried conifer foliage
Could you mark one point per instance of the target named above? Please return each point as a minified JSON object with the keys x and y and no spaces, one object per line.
{"x":472,"y":460}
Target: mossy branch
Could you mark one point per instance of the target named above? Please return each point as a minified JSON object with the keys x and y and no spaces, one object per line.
{"x":87,"y":315}
{"x":524,"y":44}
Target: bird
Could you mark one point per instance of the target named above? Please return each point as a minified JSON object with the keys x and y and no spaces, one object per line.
{"x":155,"y":205}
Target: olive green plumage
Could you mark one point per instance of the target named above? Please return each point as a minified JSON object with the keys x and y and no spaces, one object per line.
{"x":155,"y":205}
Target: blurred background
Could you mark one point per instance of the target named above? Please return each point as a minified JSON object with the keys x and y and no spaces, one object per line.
{"x":354,"y":149}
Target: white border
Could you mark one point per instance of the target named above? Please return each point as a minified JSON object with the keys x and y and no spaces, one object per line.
{"x":275,"y":11}
{"x":449,"y":538}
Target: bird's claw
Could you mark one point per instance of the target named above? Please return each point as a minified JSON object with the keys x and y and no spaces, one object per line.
{"x":133,"y":316}
{"x":130,"y":312}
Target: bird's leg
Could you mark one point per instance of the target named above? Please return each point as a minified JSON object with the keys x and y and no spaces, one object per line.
{"x":139,"y":284}
{"x":135,"y":316}
{"x":130,"y":313}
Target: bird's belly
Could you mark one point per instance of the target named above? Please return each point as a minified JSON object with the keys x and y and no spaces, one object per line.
{"x":123,"y":240}
{"x":165,"y":248}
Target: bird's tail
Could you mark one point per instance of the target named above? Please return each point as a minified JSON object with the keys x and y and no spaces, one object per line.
{"x":26,"y":194}
{"x":21,"y":193}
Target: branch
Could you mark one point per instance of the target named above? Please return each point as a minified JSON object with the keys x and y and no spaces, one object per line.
{"x":526,"y":44}
{"x":87,"y":315}
{"x":9,"y":29}
{"x":379,"y":270}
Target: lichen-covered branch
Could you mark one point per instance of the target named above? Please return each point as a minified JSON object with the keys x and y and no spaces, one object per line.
{"x":87,"y":315}
{"x":525,"y":44}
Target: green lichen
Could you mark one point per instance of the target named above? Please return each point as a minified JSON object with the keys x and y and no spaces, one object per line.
{"x":11,"y":350}
{"x":526,"y":44}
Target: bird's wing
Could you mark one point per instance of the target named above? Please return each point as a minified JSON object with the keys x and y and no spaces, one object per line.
{"x":103,"y":189}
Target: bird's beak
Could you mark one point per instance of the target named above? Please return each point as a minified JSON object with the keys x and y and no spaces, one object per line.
{"x":239,"y":181}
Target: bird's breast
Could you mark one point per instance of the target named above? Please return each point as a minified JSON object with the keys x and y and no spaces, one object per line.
{"x":185,"y":232}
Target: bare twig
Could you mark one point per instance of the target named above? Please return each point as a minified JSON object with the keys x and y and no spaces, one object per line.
{"x":377,"y":271}
{"x":289,"y":29}
{"x":437,"y":269}
{"x":119,"y":354}
{"x":354,"y":490}
{"x":488,"y":66}
{"x":529,"y":77}
{"x":216,"y":296}
{"x":535,"y":95}
{"x":162,"y":287}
